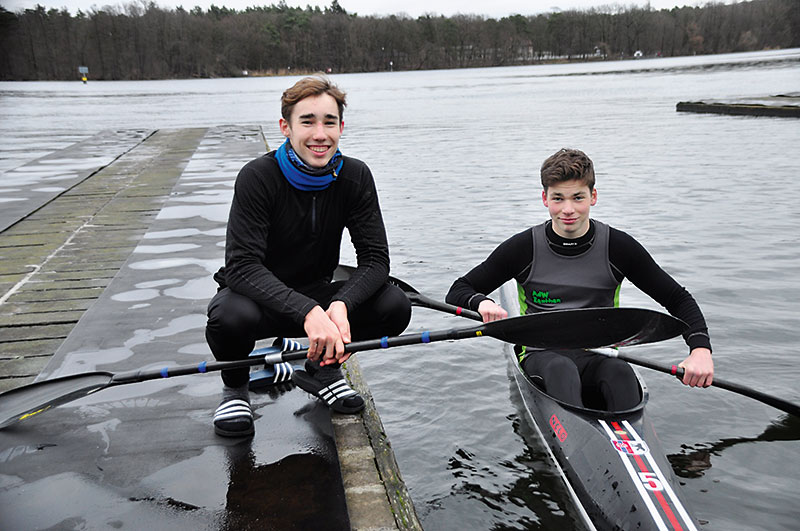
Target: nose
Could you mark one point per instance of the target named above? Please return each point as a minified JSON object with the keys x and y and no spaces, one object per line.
{"x":319,"y":130}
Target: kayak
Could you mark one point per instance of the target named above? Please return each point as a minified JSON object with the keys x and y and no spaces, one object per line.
{"x":612,"y":463}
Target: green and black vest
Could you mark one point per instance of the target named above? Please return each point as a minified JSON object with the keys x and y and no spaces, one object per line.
{"x":558,"y":282}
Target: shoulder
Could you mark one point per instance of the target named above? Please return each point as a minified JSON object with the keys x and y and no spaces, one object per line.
{"x":354,"y":163}
{"x":615,"y":234}
{"x":260,"y":169}
{"x":522,"y":237}
{"x":621,"y":243}
{"x":263,"y":164}
{"x":355,"y":170}
{"x":260,"y":178}
{"x":518,"y":245}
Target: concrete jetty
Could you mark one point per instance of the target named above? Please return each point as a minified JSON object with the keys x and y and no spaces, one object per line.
{"x":106,"y":255}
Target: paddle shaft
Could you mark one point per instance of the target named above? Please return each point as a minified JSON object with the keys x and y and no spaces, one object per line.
{"x":770,"y":400}
{"x":278,"y":357}
{"x":417,"y":299}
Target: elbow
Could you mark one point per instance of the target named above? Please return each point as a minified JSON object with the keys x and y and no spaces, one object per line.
{"x":452,"y":293}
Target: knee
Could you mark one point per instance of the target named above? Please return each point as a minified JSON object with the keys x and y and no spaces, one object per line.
{"x":562,"y":368}
{"x":233,"y":314}
{"x":387,"y":313}
{"x":616,"y":374}
{"x":395,"y":308}
{"x":551,"y":367}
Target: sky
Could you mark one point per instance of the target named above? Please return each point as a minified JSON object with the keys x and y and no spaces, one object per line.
{"x":412,"y":8}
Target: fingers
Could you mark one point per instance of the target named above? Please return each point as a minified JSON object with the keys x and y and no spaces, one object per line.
{"x":324,"y":347}
{"x":337,"y":312}
{"x":698,"y":368}
{"x":328,"y":332}
{"x":694,"y":377}
{"x":699,"y":380}
{"x":323,"y":334}
{"x":335,"y":354}
{"x":490,"y":311}
{"x":316,"y":348}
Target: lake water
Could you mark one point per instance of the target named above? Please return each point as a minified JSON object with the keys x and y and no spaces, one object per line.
{"x":456,"y":156}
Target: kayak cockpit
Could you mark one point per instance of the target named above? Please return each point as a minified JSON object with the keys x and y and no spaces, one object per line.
{"x":593,"y":405}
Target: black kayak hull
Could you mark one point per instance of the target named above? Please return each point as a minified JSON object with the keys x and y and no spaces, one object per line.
{"x":612,"y":463}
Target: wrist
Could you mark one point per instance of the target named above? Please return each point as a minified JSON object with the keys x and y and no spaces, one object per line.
{"x":313,"y":311}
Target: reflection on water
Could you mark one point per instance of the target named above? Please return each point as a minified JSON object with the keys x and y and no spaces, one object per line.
{"x":694,"y":460}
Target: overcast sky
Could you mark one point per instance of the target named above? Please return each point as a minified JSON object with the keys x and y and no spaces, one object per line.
{"x":413,"y":8}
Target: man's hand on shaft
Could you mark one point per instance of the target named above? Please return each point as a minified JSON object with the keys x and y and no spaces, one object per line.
{"x":323,"y":336}
{"x":490,"y":311}
{"x":698,"y":367}
{"x":337,"y":312}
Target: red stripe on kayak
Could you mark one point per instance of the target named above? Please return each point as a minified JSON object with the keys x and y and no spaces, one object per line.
{"x":665,"y":506}
{"x":668,"y":510}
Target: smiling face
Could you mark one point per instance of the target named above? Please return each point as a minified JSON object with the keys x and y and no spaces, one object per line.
{"x":568,"y":203}
{"x":314,"y":128}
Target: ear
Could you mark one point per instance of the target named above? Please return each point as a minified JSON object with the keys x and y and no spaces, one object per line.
{"x":544,"y":197}
{"x":594,"y":196}
{"x":285,"y":127}
{"x":341,"y":127}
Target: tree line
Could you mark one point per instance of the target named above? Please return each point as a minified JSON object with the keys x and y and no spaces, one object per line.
{"x":141,"y":40}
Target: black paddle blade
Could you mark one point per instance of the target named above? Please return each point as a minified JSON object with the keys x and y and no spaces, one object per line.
{"x":29,"y":400}
{"x":587,"y":328}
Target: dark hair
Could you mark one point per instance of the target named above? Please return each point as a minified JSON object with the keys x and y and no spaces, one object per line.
{"x":567,"y":165}
{"x":311,"y":86}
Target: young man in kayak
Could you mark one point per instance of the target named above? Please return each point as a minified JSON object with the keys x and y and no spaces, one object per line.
{"x":573,"y":261}
{"x":285,"y":228}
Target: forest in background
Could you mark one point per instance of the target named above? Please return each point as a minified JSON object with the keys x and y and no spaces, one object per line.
{"x":141,"y":40}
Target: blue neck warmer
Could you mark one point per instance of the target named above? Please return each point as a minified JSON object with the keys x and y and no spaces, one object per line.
{"x":304,"y":177}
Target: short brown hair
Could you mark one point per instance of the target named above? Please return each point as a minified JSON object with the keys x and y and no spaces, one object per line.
{"x":311,"y":86}
{"x":567,"y":165}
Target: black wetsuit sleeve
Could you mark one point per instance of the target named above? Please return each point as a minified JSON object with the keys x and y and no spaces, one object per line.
{"x":510,"y":260}
{"x":368,"y":235}
{"x":629,"y":259}
{"x":245,"y":251}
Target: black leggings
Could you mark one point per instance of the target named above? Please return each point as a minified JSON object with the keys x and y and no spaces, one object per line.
{"x":585,"y":379}
{"x":236,"y":322}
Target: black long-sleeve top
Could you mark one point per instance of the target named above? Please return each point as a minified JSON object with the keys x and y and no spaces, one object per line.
{"x":281,"y":240}
{"x":513,"y":259}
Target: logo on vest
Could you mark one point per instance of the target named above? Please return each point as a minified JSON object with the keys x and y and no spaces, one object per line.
{"x":543,"y":297}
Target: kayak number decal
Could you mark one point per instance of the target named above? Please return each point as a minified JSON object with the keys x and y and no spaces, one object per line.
{"x":650,"y":481}
{"x":559,"y":430}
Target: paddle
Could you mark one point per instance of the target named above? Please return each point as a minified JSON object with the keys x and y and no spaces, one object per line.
{"x":420,"y":300}
{"x":770,"y":400}
{"x":591,"y":327}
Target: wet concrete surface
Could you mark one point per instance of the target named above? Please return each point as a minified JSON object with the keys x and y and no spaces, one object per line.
{"x":145,"y":455}
{"x":28,"y":187}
